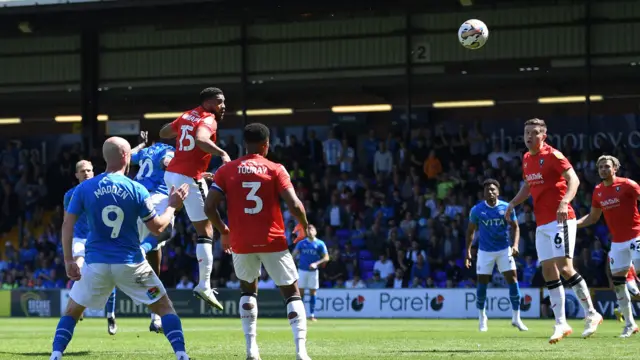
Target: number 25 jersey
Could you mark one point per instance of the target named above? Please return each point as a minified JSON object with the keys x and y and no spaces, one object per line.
{"x":252,"y":185}
{"x":189,"y":159}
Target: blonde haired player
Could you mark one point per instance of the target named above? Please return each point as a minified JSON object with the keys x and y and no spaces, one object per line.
{"x":552,"y":182}
{"x":617,"y":198}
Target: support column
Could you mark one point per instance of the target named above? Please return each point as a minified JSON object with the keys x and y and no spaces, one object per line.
{"x":89,"y":83}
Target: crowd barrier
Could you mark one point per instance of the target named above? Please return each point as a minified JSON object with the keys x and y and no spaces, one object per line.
{"x":330,"y":303}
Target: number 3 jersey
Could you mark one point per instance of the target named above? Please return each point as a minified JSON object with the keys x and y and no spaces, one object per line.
{"x":189,"y":159}
{"x":112,"y":203}
{"x":252,"y":186}
{"x":151,"y":172}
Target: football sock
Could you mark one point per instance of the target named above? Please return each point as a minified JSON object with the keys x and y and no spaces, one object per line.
{"x":173,"y":331}
{"x":111,"y":305}
{"x":632,"y":286}
{"x":249,"y":315}
{"x":579,"y":287}
{"x":64,"y":333}
{"x":481,"y":296}
{"x":514,"y":296}
{"x":204,"y":253}
{"x":298,"y":320}
{"x":312,"y":304}
{"x":624,"y":298}
{"x":557,"y":297}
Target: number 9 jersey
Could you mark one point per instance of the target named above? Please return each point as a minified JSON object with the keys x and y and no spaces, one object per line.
{"x":113,"y":203}
{"x":252,"y":185}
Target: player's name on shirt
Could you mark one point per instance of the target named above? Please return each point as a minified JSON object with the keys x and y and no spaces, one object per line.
{"x":114,"y":190}
{"x":250,"y":167}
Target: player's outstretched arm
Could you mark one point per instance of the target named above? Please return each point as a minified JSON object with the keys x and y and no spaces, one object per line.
{"x":521,"y":196}
{"x":144,"y":135}
{"x":471,"y":230}
{"x":591,"y":218}
{"x":295,"y":207}
{"x":204,"y":142}
{"x":167,"y":131}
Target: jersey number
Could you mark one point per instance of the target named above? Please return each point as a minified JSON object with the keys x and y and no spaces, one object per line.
{"x":115,"y":224}
{"x":251,"y":196}
{"x":187,"y":142}
{"x":146,"y":168}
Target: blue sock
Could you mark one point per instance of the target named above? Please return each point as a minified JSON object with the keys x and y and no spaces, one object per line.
{"x":514,"y":295}
{"x":111,"y":302}
{"x":148,"y":244}
{"x":481,"y":296}
{"x":312,"y":304}
{"x":172,"y":328}
{"x":64,"y":333}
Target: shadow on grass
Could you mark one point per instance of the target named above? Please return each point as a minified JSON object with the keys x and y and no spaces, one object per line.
{"x":41,"y":354}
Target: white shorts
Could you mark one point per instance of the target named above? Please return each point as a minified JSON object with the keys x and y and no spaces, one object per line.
{"x":309,"y":280}
{"x":487,"y":259}
{"x":138,"y":281}
{"x":622,"y":255}
{"x":77,"y":247}
{"x":160,"y":203}
{"x":194,"y":203}
{"x":555,"y":240}
{"x":280,"y":267}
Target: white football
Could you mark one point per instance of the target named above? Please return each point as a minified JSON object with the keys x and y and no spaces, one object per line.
{"x":473,"y":34}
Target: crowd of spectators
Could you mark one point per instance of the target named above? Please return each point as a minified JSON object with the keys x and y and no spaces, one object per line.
{"x":393,"y":213}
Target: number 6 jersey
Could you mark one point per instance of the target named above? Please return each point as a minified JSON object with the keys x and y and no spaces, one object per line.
{"x":112,"y":203}
{"x":189,"y":159}
{"x":252,"y":186}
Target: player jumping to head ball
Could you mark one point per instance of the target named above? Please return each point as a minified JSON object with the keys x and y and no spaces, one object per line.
{"x":552,"y":182}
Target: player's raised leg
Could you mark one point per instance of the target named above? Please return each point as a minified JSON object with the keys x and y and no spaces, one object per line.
{"x":194,"y":205}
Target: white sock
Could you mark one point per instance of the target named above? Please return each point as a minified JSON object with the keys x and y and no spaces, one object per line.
{"x":482,"y":313}
{"x":557,"y":303}
{"x":624,"y":301}
{"x":581,"y":290}
{"x":249,"y":315}
{"x":111,"y":315}
{"x":632,"y":286}
{"x":515,"y":315}
{"x":181,"y":355}
{"x":204,"y":253}
{"x":298,"y":319}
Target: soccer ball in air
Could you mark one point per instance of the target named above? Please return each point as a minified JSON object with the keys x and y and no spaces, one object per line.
{"x":473,"y":34}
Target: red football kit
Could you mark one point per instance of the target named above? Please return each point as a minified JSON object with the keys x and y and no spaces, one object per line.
{"x":543,"y":172}
{"x":252,"y":185}
{"x":189,"y":160}
{"x":619,"y":204}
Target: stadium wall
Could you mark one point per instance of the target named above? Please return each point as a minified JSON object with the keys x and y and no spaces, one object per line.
{"x":331,"y":303}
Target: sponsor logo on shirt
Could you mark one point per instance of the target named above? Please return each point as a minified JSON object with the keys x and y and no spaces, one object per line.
{"x":534,"y":179}
{"x":610,"y":203}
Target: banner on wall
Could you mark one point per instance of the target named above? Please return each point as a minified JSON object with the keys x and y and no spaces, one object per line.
{"x":35,"y":303}
{"x":605,"y":302}
{"x":421,"y":303}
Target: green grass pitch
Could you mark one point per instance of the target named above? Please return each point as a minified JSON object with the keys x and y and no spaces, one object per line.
{"x":30,"y":338}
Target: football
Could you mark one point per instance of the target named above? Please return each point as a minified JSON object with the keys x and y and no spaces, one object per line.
{"x":473,"y":34}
